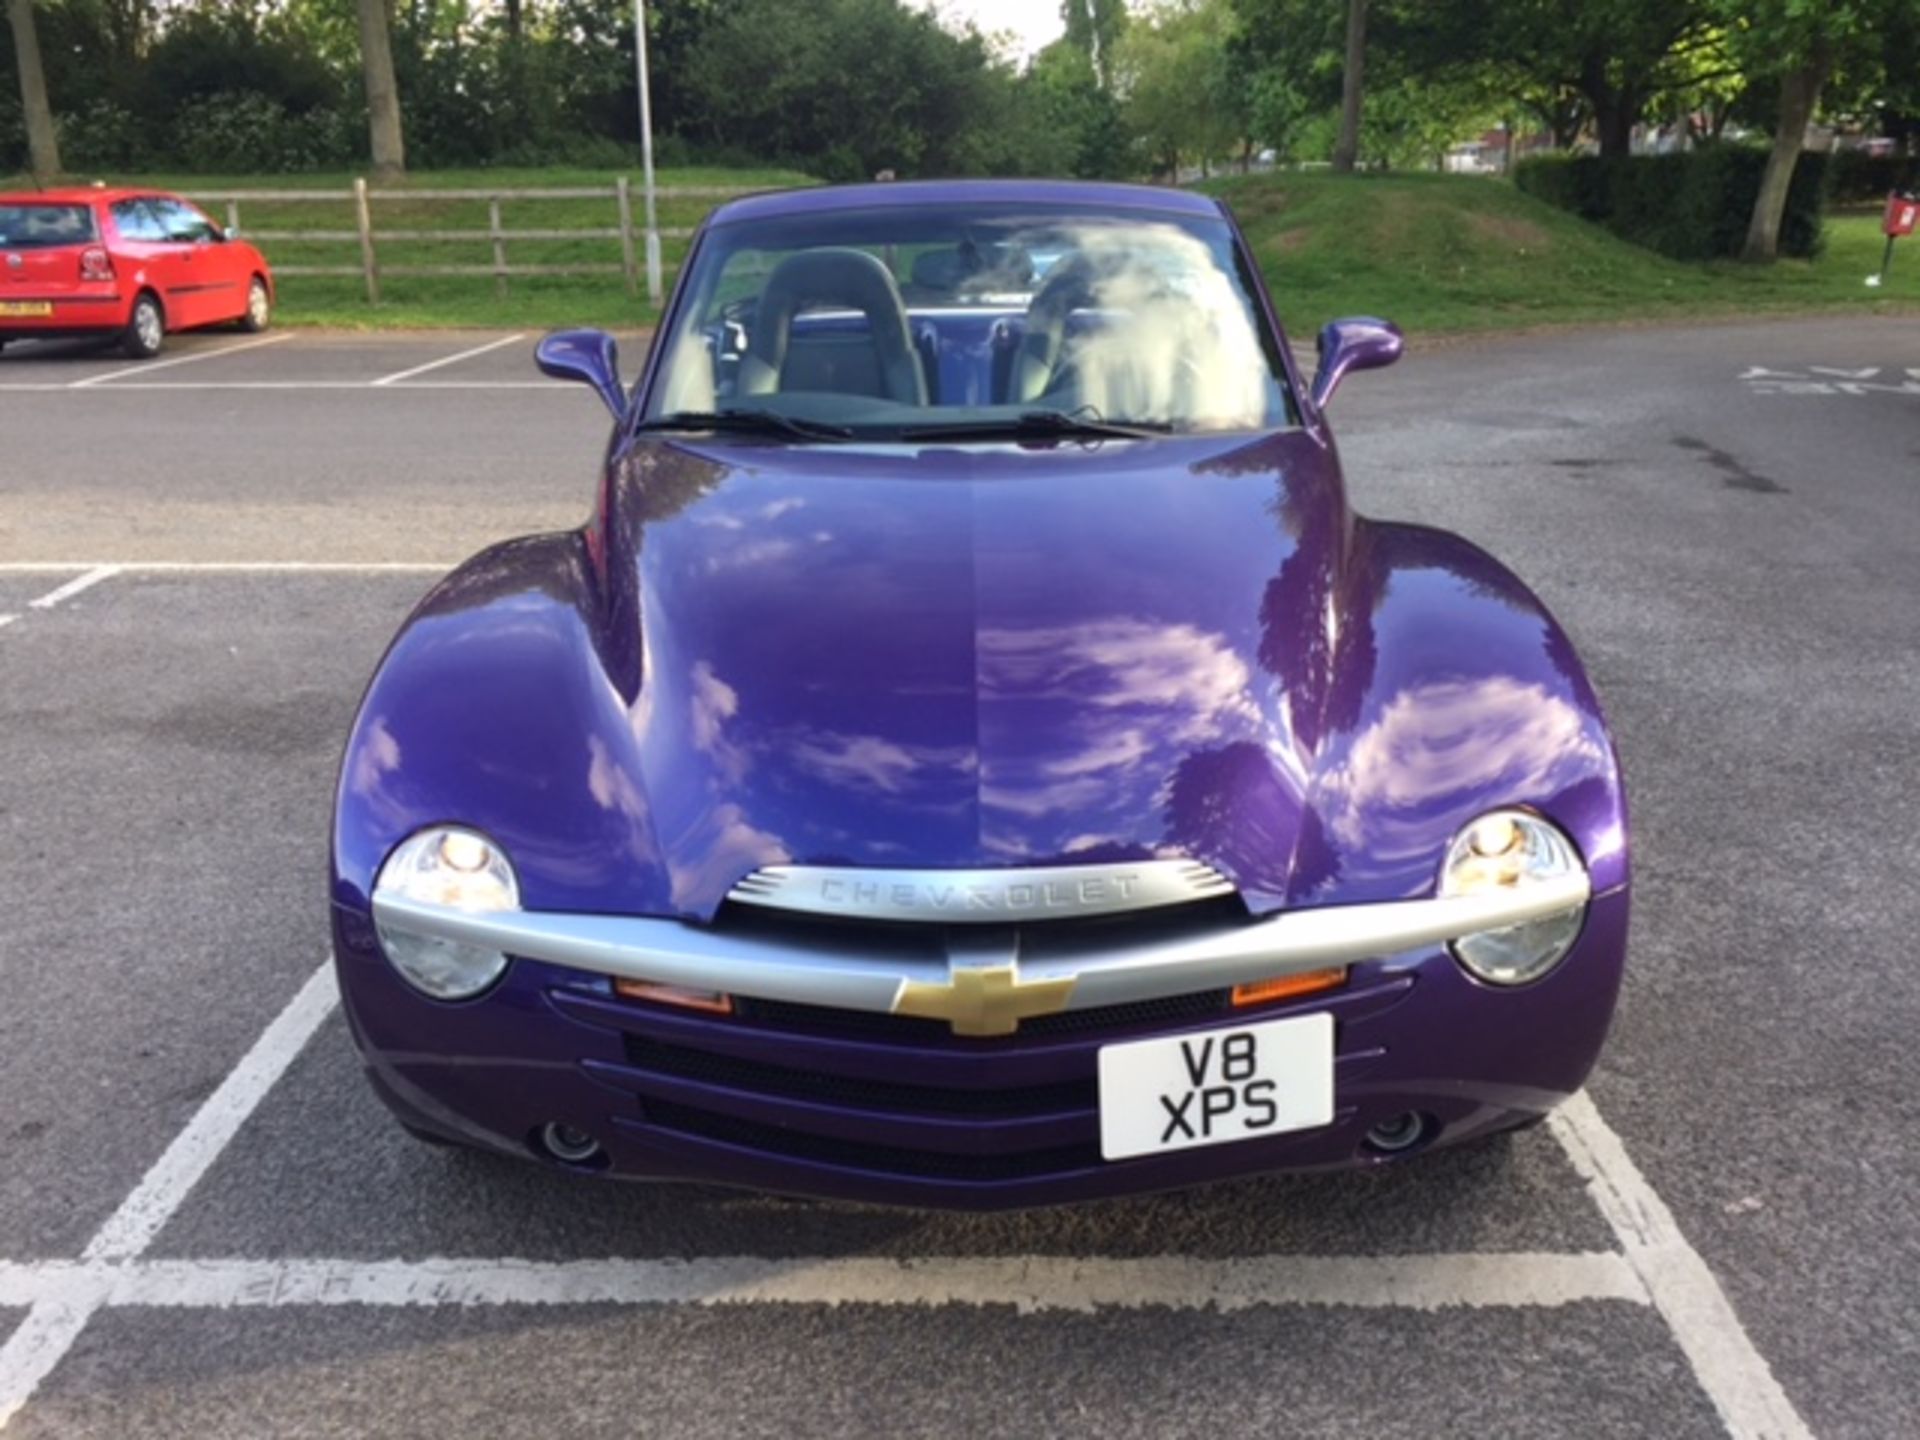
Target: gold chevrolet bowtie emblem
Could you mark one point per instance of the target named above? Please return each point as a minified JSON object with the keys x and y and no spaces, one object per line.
{"x":983,"y":1000}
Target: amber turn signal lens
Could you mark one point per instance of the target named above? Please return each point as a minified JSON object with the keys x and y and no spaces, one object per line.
{"x":712,"y":1001}
{"x":1284,"y":987}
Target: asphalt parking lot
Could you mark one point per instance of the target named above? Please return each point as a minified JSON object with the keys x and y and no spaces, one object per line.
{"x":208,"y":1226}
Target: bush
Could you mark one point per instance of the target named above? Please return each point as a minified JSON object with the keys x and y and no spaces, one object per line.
{"x":13,"y":138}
{"x":1860,"y":178}
{"x":1693,"y":205}
{"x":244,"y":132}
{"x":1574,"y":183}
{"x":577,"y":151}
{"x":103,"y":136}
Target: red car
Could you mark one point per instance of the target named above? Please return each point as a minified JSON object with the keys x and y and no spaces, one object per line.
{"x":132,"y":264}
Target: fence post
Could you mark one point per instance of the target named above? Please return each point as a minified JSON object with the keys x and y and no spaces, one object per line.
{"x":233,"y":217}
{"x":364,"y":215}
{"x":499,"y":248}
{"x":625,"y":194}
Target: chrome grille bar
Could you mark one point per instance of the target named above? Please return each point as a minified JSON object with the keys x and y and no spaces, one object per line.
{"x":1104,"y":970}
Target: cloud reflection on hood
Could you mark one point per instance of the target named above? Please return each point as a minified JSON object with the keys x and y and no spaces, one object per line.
{"x":1451,"y":746}
{"x":1106,"y":711}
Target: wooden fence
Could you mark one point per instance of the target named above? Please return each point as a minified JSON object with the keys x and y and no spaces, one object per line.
{"x":370,"y":237}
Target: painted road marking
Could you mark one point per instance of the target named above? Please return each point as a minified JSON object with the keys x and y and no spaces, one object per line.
{"x":1832,"y":380}
{"x":449,"y":360}
{"x":1730,"y":1369}
{"x":6,"y":620}
{"x":132,"y":1227}
{"x":1030,"y":1284}
{"x":147,"y":367}
{"x":95,"y":574}
{"x":51,"y":1326}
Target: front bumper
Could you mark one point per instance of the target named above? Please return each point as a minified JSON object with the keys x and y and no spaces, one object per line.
{"x":854,"y":1104}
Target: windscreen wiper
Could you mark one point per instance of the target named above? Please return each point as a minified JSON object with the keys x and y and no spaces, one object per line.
{"x":1042,"y":425}
{"x":747,"y":422}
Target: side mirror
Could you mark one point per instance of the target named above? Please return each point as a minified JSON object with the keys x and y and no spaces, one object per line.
{"x":1359,"y":343}
{"x":589,"y":356}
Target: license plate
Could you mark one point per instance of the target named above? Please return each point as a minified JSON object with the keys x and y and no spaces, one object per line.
{"x":1216,"y":1087}
{"x":19,"y":307}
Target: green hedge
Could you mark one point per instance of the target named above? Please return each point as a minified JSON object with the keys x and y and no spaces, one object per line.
{"x":1693,"y":205}
{"x":1859,"y":177}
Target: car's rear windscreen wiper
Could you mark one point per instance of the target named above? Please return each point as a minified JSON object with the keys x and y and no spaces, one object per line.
{"x":1040,"y":424}
{"x":747,"y":422}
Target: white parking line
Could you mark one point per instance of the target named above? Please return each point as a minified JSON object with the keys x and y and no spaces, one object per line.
{"x":6,"y":620}
{"x":1730,"y":1369}
{"x":1030,"y":1284}
{"x":448,"y":360}
{"x":147,"y":367}
{"x":54,"y":1323}
{"x":234,"y":567}
{"x":95,"y":574}
{"x":132,"y":1227}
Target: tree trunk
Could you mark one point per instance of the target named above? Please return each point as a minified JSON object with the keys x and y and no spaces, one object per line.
{"x":383,"y":95}
{"x":1347,"y":150}
{"x":1616,"y":108}
{"x":1613,"y":119}
{"x":43,"y":141}
{"x":1799,"y":93}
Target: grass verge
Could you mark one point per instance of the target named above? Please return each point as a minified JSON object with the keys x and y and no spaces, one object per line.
{"x":1458,"y":253}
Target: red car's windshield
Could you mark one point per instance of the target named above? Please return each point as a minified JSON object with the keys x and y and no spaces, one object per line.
{"x":38,"y":226}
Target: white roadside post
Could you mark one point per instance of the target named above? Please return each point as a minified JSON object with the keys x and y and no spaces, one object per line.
{"x":646,"y":149}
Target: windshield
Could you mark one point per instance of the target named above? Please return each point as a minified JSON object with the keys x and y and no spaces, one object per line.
{"x":39,"y":227}
{"x":925,"y":320}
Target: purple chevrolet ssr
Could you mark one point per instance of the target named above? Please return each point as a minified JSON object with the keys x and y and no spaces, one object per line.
{"x":973,"y":754}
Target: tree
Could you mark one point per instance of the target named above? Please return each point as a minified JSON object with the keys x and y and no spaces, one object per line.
{"x":1800,"y":85}
{"x":383,"y":94}
{"x":1602,"y":61}
{"x":43,"y":142}
{"x":1176,"y":73}
{"x":1347,"y":149}
{"x":774,"y":80}
{"x":1094,"y":28}
{"x":1074,"y":124}
{"x":1799,"y":43}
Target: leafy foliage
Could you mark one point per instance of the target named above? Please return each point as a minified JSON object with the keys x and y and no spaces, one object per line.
{"x":843,"y":88}
{"x":1691,"y":205}
{"x":846,"y":88}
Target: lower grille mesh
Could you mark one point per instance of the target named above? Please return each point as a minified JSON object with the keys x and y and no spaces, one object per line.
{"x":711,"y":1068}
{"x":827,"y":1150}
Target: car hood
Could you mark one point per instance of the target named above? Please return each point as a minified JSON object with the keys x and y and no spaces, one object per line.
{"x":1013,"y":655}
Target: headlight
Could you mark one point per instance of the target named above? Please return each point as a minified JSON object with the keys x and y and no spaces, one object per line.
{"x":1510,"y":850}
{"x":459,"y":868}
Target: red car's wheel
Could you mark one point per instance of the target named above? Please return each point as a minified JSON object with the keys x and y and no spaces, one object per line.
{"x":146,"y":329}
{"x":259,"y":313}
